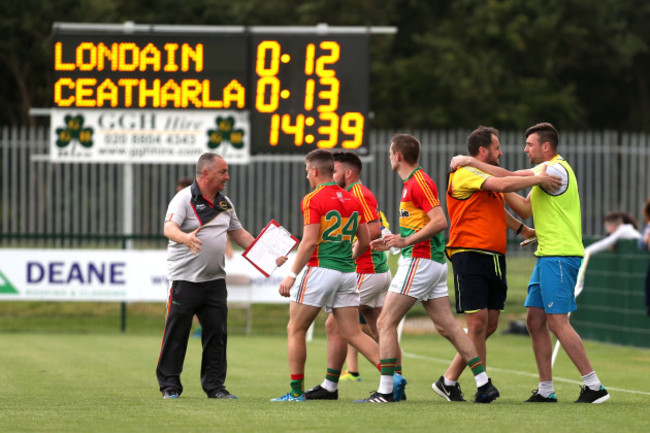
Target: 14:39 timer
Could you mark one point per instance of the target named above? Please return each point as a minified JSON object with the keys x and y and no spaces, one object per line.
{"x":310,"y":111}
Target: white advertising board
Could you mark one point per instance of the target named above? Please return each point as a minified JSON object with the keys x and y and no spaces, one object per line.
{"x":117,"y":276}
{"x":148,"y":136}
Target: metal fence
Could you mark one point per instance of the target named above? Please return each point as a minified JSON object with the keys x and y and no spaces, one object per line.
{"x":43,"y":204}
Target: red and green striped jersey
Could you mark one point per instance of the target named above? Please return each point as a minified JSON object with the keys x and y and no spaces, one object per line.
{"x":370,"y":262}
{"x":339,"y":214}
{"x":419,"y":196}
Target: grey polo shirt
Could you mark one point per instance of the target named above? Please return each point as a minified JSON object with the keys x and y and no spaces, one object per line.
{"x":189,"y":209}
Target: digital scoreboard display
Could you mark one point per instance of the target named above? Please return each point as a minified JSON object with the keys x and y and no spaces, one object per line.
{"x":298,"y":90}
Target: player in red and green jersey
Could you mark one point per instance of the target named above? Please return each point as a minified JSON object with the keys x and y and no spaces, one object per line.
{"x":369,"y":262}
{"x":332,"y":217}
{"x":373,"y":275}
{"x":419,"y":196}
{"x":338,"y":216}
{"x":421,"y":276}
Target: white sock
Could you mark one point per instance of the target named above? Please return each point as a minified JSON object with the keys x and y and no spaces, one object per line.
{"x":481,"y":379}
{"x":545,"y":388}
{"x":591,"y":380}
{"x":385,"y":384}
{"x":449,"y":382}
{"x":329,"y":385}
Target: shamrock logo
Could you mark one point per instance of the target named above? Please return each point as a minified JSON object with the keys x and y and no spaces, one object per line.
{"x":74,"y":130}
{"x":225,"y":133}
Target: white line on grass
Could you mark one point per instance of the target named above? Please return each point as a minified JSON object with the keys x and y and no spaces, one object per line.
{"x":521,"y":373}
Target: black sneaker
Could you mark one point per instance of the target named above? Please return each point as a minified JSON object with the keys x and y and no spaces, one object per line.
{"x":378,"y":398}
{"x":588,"y":395}
{"x":222,"y":393}
{"x":170,"y":394}
{"x":449,"y":393}
{"x":320,"y":393}
{"x":537,"y":398}
{"x":486,"y":394}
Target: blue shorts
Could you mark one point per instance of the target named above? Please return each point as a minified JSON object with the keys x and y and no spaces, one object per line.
{"x":552,"y":284}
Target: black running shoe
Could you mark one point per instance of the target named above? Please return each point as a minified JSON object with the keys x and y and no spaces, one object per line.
{"x":588,"y":395}
{"x":486,"y":394}
{"x":320,"y":393}
{"x":222,"y":393}
{"x":378,"y":398}
{"x":537,"y":398}
{"x":449,"y":393}
{"x":170,"y":394}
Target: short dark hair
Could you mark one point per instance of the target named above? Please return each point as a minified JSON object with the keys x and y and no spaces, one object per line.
{"x":547,"y":132}
{"x":618,"y":217}
{"x":408,"y":146}
{"x":321,"y":159}
{"x":646,"y":211}
{"x":480,"y":137}
{"x":350,"y":158}
{"x":184,"y":182}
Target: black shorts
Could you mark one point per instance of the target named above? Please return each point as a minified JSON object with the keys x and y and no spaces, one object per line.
{"x":479,"y":281}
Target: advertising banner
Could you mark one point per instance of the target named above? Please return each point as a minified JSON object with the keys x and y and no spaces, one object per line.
{"x":148,"y":136}
{"x":117,"y":276}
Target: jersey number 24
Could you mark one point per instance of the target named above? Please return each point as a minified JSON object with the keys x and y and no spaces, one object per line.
{"x":339,"y":228}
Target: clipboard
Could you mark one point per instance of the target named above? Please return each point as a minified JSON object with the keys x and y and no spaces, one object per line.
{"x":273,"y":241}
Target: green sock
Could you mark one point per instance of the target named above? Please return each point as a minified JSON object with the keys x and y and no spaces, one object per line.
{"x":333,"y":375}
{"x":398,"y":369}
{"x":297,"y":384}
{"x":476,"y":365}
{"x":387,"y":366}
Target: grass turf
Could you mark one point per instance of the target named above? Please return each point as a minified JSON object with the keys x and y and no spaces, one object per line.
{"x":58,"y":382}
{"x":67,"y":368}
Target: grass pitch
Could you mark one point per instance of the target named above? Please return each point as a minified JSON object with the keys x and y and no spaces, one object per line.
{"x":65,"y":367}
{"x":59,"y":382}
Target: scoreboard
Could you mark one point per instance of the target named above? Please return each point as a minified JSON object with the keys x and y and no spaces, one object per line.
{"x":278,"y":90}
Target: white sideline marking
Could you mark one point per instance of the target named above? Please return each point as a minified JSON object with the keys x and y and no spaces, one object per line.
{"x":522,"y":373}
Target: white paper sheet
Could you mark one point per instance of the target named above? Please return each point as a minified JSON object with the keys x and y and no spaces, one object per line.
{"x":274,"y":241}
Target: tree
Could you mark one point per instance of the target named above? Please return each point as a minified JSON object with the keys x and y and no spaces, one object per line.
{"x":512,"y":63}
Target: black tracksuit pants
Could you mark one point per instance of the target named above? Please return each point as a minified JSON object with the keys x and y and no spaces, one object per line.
{"x":208,"y":301}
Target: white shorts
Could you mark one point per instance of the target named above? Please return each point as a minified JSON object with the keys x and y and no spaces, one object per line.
{"x":373,"y":288}
{"x":322,"y":287}
{"x":422,"y":279}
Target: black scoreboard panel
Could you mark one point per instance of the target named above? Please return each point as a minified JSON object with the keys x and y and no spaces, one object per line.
{"x":310,"y":91}
{"x":302,"y":90}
